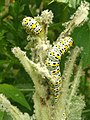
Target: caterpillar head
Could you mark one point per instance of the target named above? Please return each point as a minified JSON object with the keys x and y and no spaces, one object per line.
{"x":25,"y":21}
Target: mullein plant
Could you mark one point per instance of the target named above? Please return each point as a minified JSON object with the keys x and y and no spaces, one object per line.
{"x":55,"y":96}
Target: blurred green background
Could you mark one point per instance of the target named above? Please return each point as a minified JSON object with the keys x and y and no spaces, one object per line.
{"x":15,"y":82}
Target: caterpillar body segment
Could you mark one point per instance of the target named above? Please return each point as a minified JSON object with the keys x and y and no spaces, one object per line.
{"x":53,"y":65}
{"x":31,"y":25}
{"x":55,"y":89}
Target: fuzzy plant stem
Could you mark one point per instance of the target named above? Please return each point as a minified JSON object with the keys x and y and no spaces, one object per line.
{"x":33,"y":70}
{"x":13,"y":111}
{"x":76,"y":83}
{"x":43,"y":110}
{"x":75,"y":103}
{"x":67,"y":73}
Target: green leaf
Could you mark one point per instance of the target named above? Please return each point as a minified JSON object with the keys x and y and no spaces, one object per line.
{"x":4,"y":62}
{"x":2,"y":2}
{"x":14,"y":94}
{"x":10,"y":26}
{"x":1,"y":115}
{"x":71,"y":3}
{"x":2,"y":34}
{"x":82,"y":39}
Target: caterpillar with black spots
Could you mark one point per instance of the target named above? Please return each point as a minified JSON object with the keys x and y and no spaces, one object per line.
{"x":31,"y":25}
{"x":53,"y":65}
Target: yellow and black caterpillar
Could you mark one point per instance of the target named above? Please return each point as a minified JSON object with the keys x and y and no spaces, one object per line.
{"x":31,"y":25}
{"x":53,"y":65}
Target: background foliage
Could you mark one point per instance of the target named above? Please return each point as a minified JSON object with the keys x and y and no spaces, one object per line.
{"x":15,"y":82}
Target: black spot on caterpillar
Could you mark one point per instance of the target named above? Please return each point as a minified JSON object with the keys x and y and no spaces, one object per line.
{"x":53,"y":65}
